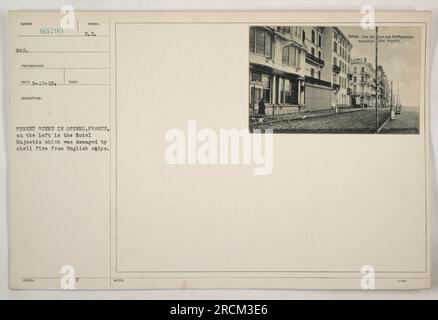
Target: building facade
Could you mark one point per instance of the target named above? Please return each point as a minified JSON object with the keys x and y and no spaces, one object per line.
{"x":305,"y":67}
{"x":318,"y":88}
{"x":383,"y":89}
{"x":337,"y":56}
{"x":364,"y":85}
{"x":277,"y":68}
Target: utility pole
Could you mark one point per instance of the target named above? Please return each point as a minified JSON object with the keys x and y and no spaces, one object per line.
{"x":392,"y":101}
{"x":377,"y":117}
{"x":398,"y":95}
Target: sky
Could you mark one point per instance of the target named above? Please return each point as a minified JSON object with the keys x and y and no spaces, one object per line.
{"x":401,"y":59}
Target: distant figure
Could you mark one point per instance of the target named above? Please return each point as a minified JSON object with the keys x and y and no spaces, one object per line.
{"x":261,"y":111}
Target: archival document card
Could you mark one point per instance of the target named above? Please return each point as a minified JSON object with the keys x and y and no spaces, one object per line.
{"x":185,"y":150}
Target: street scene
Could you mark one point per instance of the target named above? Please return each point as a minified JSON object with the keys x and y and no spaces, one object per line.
{"x":317,"y":79}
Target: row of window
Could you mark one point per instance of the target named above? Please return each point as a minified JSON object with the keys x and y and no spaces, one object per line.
{"x":343,"y":82}
{"x":261,"y":42}
{"x":362,"y":69}
{"x":341,"y":40}
{"x":315,"y":75}
{"x":342,"y":51}
{"x":296,"y":31}
{"x":313,"y":38}
{"x":344,"y":54}
{"x":312,"y":51}
{"x":344,"y":67}
{"x":356,"y":91}
{"x":362,"y":78}
{"x":316,"y":37}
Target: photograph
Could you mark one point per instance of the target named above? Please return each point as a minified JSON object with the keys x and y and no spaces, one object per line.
{"x":330,"y":79}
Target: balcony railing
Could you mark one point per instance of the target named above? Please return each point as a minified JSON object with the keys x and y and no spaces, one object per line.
{"x":317,"y":81}
{"x":336,"y":68}
{"x":314,"y":60}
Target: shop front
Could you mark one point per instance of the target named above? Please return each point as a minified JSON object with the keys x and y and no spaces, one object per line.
{"x":281,"y":92}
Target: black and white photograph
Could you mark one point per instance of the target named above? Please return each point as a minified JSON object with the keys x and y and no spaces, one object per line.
{"x":335,"y":79}
{"x":218,"y":158}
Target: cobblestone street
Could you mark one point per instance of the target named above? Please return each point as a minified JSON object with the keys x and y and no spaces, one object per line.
{"x":362,"y":121}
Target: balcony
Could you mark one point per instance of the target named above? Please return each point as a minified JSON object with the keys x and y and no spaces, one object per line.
{"x":314,"y":60}
{"x":317,"y":81}
{"x":336,"y":69}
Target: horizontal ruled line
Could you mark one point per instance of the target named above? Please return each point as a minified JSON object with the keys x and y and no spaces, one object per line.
{"x":67,"y":84}
{"x":60,"y":68}
{"x":59,"y":36}
{"x":44,"y":52}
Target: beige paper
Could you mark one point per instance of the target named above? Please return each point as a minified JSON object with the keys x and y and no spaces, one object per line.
{"x":97,"y":113}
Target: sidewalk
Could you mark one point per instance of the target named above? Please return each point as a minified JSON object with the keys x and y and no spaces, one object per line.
{"x":407,"y":122}
{"x":299,"y":116}
{"x":348,"y":121}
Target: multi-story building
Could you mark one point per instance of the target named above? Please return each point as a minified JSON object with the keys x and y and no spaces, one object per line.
{"x":318,"y":87}
{"x":364,"y":85}
{"x":337,"y":56}
{"x":277,"y":68}
{"x":383,"y":89}
{"x":295,"y":67}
